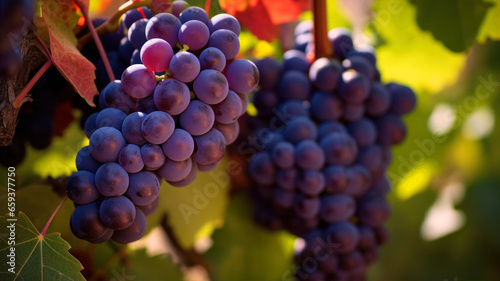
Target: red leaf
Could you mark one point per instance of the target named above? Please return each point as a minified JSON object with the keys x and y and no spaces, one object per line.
{"x":262,"y":17}
{"x":60,"y":18}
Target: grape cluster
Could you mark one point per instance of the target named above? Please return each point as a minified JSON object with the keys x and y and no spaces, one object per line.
{"x":15,"y":15}
{"x":324,"y":131}
{"x":170,"y":116}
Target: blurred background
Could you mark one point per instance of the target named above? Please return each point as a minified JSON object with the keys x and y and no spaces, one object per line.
{"x":445,"y":177}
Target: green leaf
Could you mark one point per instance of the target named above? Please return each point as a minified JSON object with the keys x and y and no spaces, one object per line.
{"x":38,"y":202}
{"x":37,"y":257}
{"x":153,"y":268}
{"x":196,"y":210}
{"x":409,"y":55}
{"x":490,"y":29}
{"x":454,"y":22}
{"x":243,"y":251}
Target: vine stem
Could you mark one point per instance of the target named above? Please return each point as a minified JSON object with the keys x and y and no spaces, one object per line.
{"x":322,"y":46}
{"x":111,"y":24}
{"x":24,"y":92}
{"x":207,"y":7}
{"x":97,"y":40}
{"x":44,"y":230}
{"x":19,"y":99}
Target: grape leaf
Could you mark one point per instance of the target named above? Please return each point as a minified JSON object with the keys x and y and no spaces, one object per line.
{"x":59,"y":17}
{"x":194,"y":211}
{"x":262,"y":17}
{"x":490,"y":29}
{"x":406,"y":52}
{"x":37,"y":257}
{"x":242,"y":251}
{"x":456,"y":23}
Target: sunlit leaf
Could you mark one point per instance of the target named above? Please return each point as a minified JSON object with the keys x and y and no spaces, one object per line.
{"x":490,"y":28}
{"x":37,"y":257}
{"x":242,"y":251}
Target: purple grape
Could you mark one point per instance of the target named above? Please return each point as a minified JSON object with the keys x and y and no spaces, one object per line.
{"x":164,"y":26}
{"x":85,"y":161}
{"x":85,"y":222}
{"x":111,"y":180}
{"x":224,"y":21}
{"x":131,"y":128}
{"x":209,"y":148}
{"x":184,"y":67}
{"x":193,"y":13}
{"x":153,"y":156}
{"x":179,"y":146}
{"x":114,"y":96}
{"x":144,"y":188}
{"x":81,"y":188}
{"x":157,"y":127}
{"x":228,"y":111}
{"x":194,"y":34}
{"x":242,"y":76}
{"x":212,"y":58}
{"x":229,"y":131}
{"x":175,"y":170}
{"x":339,"y":148}
{"x":325,"y":74}
{"x":211,"y":86}
{"x":337,"y":208}
{"x":325,"y":107}
{"x":134,"y":232}
{"x":226,"y":41}
{"x":110,"y":117}
{"x":172,"y":96}
{"x":105,"y":144}
{"x":156,"y":55}
{"x":198,"y":118}
{"x":130,"y":158}
{"x":138,"y":82}
{"x":117,"y":212}
{"x":137,"y":33}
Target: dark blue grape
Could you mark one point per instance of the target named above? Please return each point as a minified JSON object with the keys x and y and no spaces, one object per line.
{"x":85,"y":162}
{"x":344,"y":234}
{"x":261,"y":168}
{"x":131,"y":128}
{"x":309,"y":155}
{"x":325,"y":107}
{"x":403,"y":99}
{"x":325,"y":74}
{"x":337,"y":208}
{"x":378,"y":101}
{"x":117,"y":212}
{"x":85,"y":222}
{"x":110,"y":117}
{"x":341,"y":41}
{"x":193,"y":13}
{"x":144,"y":188}
{"x":311,"y":183}
{"x":354,"y":87}
{"x":363,"y":131}
{"x":134,"y":232}
{"x":105,"y":144}
{"x":294,"y":85}
{"x":339,"y":148}
{"x":81,"y":188}
{"x":300,"y":128}
{"x":270,"y":70}
{"x":111,"y":180}
{"x":336,"y":179}
{"x":326,"y":128}
{"x":173,"y":171}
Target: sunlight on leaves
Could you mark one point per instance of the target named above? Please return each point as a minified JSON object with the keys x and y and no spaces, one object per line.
{"x":415,"y":181}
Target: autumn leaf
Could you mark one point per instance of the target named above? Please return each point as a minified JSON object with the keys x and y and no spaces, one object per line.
{"x":59,"y":17}
{"x":263,"y":17}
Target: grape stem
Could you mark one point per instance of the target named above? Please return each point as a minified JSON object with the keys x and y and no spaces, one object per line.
{"x":112,"y":24}
{"x":44,"y":230}
{"x":97,"y":40}
{"x":322,"y":46}
{"x":24,"y":92}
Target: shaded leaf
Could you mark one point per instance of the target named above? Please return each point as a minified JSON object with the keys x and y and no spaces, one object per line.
{"x":242,"y":251}
{"x":38,"y":257}
{"x":59,"y":19}
{"x":454,"y":22}
{"x":160,"y":6}
{"x":194,"y":211}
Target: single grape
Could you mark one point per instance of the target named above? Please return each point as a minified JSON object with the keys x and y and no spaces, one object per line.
{"x":184,"y":67}
{"x":134,"y":15}
{"x":144,"y":188}
{"x":172,"y":96}
{"x":353,"y":112}
{"x":270,"y":70}
{"x":130,"y":158}
{"x":146,"y":105}
{"x":164,"y":26}
{"x":114,"y":96}
{"x":283,"y":155}
{"x":363,"y":131}
{"x":325,"y":106}
{"x":137,"y":33}
{"x":371,"y":157}
{"x":136,"y":57}
{"x":326,"y":128}
{"x":211,"y":86}
{"x":339,"y":148}
{"x":336,"y":178}
{"x":262,"y":169}
{"x":295,"y":60}
{"x":209,"y":148}
{"x":153,"y":156}
{"x":286,"y":179}
{"x":110,"y":117}
{"x":188,"y":179}
{"x":198,"y":118}
{"x":325,"y":74}
{"x":134,"y":232}
{"x":344,"y":234}
{"x":283,"y":199}
{"x":85,"y":162}
{"x":150,"y":208}
{"x":391,"y":129}
{"x":300,"y":128}
{"x":378,"y":101}
{"x":138,"y":82}
{"x":311,"y":182}
{"x":111,"y":180}
{"x":340,"y":39}
{"x":179,"y":146}
{"x":131,"y":128}
{"x":212,"y":58}
{"x":337,"y":208}
{"x":81,"y":188}
{"x":226,"y":41}
{"x":294,"y":85}
{"x":157,"y":127}
{"x":242,"y":76}
{"x":403,"y":99}
{"x":266,"y":102}
{"x":125,"y":50}
{"x":360,"y":65}
{"x":156,"y":55}
{"x":174,"y":171}
{"x":309,"y":155}
{"x":177,"y":7}
{"x":290,"y":109}
{"x":359,"y":180}
{"x":305,"y":207}
{"x":229,"y":131}
{"x":85,"y":222}
{"x":193,"y":13}
{"x":354,"y":87}
{"x":224,"y":21}
{"x":105,"y":144}
{"x":194,"y":34}
{"x":90,"y":125}
{"x":117,"y":212}
{"x":229,"y":109}
{"x":373,"y":211}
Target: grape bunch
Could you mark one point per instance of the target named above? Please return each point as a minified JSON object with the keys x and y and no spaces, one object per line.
{"x":324,"y":132}
{"x":170,"y":116}
{"x":15,"y":15}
